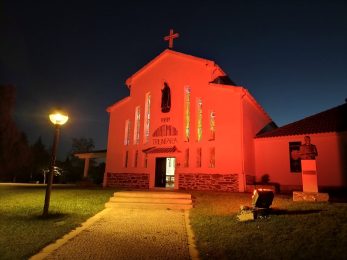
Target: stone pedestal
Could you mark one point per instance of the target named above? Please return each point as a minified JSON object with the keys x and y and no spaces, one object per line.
{"x":309,"y":176}
{"x":310,"y":196}
{"x":309,"y":184}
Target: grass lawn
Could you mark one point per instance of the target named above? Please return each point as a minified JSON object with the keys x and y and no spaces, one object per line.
{"x":295,"y":230}
{"x":23,"y":231}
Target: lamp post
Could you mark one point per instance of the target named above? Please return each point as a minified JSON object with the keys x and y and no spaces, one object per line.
{"x":58,"y":119}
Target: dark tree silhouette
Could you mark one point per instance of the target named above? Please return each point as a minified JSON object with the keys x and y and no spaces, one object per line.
{"x":82,"y":145}
{"x":14,"y":148}
{"x":73,"y":165}
{"x":39,"y":160}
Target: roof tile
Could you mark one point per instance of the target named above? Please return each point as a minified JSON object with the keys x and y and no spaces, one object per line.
{"x":331,"y":120}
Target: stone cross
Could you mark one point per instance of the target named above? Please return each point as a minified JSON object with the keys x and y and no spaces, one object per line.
{"x":171,"y":37}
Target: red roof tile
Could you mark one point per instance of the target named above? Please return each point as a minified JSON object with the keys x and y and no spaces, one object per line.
{"x":331,"y":120}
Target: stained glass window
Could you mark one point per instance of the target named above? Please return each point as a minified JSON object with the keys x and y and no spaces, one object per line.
{"x":187,"y":113}
{"x":199,"y":119}
{"x":212,"y":125}
{"x":137,"y":125}
{"x":127,"y":132}
{"x":147,"y":120}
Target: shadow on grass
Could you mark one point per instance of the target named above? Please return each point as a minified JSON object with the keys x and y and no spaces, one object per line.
{"x":53,"y":215}
{"x":293,"y":212}
{"x":35,"y":217}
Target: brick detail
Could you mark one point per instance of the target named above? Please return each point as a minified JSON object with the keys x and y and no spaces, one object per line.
{"x":202,"y":181}
{"x":128,"y":180}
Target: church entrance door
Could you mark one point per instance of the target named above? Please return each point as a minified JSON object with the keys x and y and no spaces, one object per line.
{"x":165,"y":172}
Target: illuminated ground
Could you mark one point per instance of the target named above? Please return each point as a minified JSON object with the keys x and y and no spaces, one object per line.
{"x":130,"y":234}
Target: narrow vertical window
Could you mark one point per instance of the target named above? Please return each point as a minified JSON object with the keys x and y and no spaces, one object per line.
{"x":187,"y":113}
{"x":127,"y":132}
{"x":147,"y":119}
{"x":137,"y":125}
{"x":212,"y":157}
{"x":198,"y":157}
{"x":199,"y":119}
{"x":136,"y":156}
{"x":146,"y":161}
{"x":212,"y":126}
{"x":126,"y":158}
{"x":186,"y":158}
{"x":294,"y":156}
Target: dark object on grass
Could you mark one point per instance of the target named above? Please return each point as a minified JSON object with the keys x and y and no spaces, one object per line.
{"x":262,"y":198}
{"x":265,"y":179}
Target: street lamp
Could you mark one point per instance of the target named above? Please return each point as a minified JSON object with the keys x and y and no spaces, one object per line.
{"x":58,"y":119}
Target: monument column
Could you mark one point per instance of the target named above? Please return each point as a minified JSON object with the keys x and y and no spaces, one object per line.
{"x":309,"y":176}
{"x":308,"y":153}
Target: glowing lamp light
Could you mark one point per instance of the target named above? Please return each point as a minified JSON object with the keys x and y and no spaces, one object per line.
{"x":58,"y":118}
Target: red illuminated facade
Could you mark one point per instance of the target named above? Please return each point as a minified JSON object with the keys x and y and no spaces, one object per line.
{"x":185,"y":125}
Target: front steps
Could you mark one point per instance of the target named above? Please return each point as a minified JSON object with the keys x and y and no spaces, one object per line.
{"x":150,"y":200}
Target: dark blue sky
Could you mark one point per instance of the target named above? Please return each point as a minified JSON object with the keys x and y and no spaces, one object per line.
{"x":291,"y":55}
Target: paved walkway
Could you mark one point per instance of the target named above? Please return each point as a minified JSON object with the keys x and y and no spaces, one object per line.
{"x":129,"y":234}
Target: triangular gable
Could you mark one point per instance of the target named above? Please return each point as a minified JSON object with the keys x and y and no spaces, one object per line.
{"x":165,"y":53}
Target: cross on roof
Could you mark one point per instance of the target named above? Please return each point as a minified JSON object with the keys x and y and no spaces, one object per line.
{"x":171,"y":37}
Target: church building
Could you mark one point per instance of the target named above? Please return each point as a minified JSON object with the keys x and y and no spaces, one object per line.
{"x":185,"y":125}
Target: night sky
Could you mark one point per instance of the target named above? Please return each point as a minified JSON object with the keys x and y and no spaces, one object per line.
{"x":290,"y":55}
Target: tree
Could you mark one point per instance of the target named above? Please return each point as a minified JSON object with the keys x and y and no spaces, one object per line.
{"x":39,"y":160}
{"x":81,"y":145}
{"x":73,"y":165}
{"x":14,"y":148}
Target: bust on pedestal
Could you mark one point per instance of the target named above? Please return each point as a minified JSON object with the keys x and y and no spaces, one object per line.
{"x":308,"y":153}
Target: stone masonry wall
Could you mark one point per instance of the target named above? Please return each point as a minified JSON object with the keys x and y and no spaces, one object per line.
{"x":213,"y":182}
{"x":128,"y":180}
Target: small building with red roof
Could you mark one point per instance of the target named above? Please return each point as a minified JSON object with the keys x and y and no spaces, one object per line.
{"x":276,"y":151}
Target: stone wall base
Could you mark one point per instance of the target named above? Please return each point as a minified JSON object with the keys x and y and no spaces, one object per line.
{"x":128,"y":180}
{"x":310,"y":196}
{"x":212,"y":182}
{"x":270,"y":186}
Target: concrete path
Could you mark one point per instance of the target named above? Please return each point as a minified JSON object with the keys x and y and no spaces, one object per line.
{"x":121,"y":233}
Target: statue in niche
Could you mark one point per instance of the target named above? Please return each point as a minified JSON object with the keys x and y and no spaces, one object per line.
{"x":165,"y":98}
